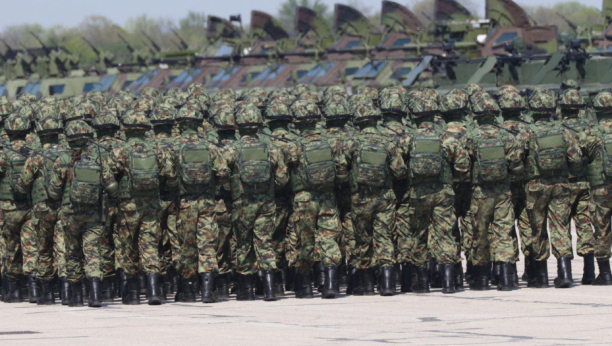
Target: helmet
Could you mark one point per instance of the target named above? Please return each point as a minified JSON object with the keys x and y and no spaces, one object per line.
{"x":304,"y":110}
{"x":393,"y":103}
{"x":471,"y":89}
{"x":570,"y":84}
{"x":571,"y":100}
{"x":334,"y":90}
{"x":224,"y":120}
{"x":89,"y":109}
{"x":144,"y":104}
{"x":17,"y":123}
{"x":78,"y":129}
{"x":256,"y":100}
{"x":49,"y":125}
{"x":150,"y":92}
{"x":602,"y":102}
{"x":483,"y":104}
{"x":121,"y":104}
{"x":96,"y":96}
{"x":542,"y":102}
{"x":278,"y":111}
{"x":371,"y":93}
{"x":47,"y":111}
{"x":249,"y":117}
{"x":311,"y":96}
{"x":189,"y":114}
{"x":511,"y":101}
{"x":505,"y":89}
{"x":106,"y":120}
{"x":222,"y":104}
{"x":461,"y":93}
{"x":27,"y":111}
{"x":6,"y":107}
{"x":451,"y":104}
{"x":196,"y":89}
{"x":299,"y":88}
{"x":29,"y":98}
{"x":421,"y":107}
{"x":136,"y":120}
{"x":225,"y":94}
{"x":393,"y":90}
{"x":163,"y":114}
{"x":336,"y":110}
{"x":257,"y":91}
{"x":364,"y":112}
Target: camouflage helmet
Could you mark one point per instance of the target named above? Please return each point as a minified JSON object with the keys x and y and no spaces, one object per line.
{"x":201,"y":97}
{"x":299,"y":88}
{"x":366,"y":112}
{"x":27,"y":97}
{"x":602,"y":102}
{"x":257,"y":91}
{"x":336,"y":110}
{"x":472,"y":89}
{"x":505,"y":89}
{"x":47,"y":110}
{"x":311,"y":96}
{"x":27,"y":111}
{"x":225,"y":94}
{"x":189,"y":114}
{"x":121,"y":104}
{"x":106,"y":120}
{"x":144,"y":104}
{"x":356,"y":100}
{"x":89,"y":109}
{"x":224,"y":120}
{"x":136,"y":120}
{"x":484,"y":104}
{"x":196,"y":89}
{"x":305,"y":110}
{"x":422,"y":107}
{"x":461,"y":93}
{"x":249,"y":116}
{"x":570,"y":84}
{"x":163,"y":114}
{"x":385,"y":92}
{"x":48,"y":100}
{"x":283,"y":92}
{"x":49,"y":125}
{"x":96,"y":96}
{"x":453,"y":104}
{"x":78,"y":129}
{"x":393,"y":103}
{"x":542,"y":102}
{"x":371,"y":93}
{"x":222,"y":104}
{"x":20,"y":103}
{"x":150,"y":93}
{"x":571,"y":100}
{"x":257,"y":101}
{"x":278,"y":111}
{"x":511,"y":102}
{"x":6,"y":107}
{"x":17,"y":124}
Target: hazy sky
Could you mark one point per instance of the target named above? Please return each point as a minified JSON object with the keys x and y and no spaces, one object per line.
{"x":71,"y":12}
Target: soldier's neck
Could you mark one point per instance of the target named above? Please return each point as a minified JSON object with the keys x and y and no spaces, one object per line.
{"x":163,"y":131}
{"x":306,"y":128}
{"x":336,"y":123}
{"x":541,"y":118}
{"x":486,"y":121}
{"x":429,"y":119}
{"x":569,"y":115}
{"x":50,"y":141}
{"x":227,"y":135}
{"x":278,"y":125}
{"x":133,"y":136}
{"x":392,"y":118}
{"x":189,"y":131}
{"x":511,"y":115}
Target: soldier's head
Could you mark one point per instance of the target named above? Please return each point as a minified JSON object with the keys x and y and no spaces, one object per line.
{"x":136,"y":124}
{"x":225,"y":94}
{"x":224,"y":122}
{"x":6,"y":108}
{"x":278,"y":114}
{"x":471,"y":89}
{"x":306,"y":114}
{"x":336,"y":113}
{"x":48,"y":129}
{"x":571,"y":103}
{"x":454,"y":107}
{"x":570,"y":84}
{"x":196,"y":88}
{"x":27,"y":97}
{"x":484,"y":107}
{"x":47,"y":110}
{"x":78,"y":134}
{"x":162,"y":118}
{"x":602,"y":105}
{"x":424,"y":109}
{"x":144,"y":105}
{"x":542,"y":104}
{"x":366,"y":115}
{"x":511,"y":104}
{"x":357,"y":100}
{"x":189,"y":119}
{"x":150,"y":92}
{"x":503,"y":90}
{"x":17,"y":126}
{"x":334,"y":90}
{"x":106,"y":124}
{"x":392,"y":105}
{"x":249,"y":120}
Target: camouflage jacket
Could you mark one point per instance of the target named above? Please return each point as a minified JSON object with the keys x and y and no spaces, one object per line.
{"x":576,"y":127}
{"x":592,"y":146}
{"x":459,"y":130}
{"x":164,"y":143}
{"x":5,"y":179}
{"x":288,"y":149}
{"x":522,"y":134}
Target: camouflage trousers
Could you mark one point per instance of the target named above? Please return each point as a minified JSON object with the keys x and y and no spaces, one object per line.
{"x":253,"y":219}
{"x":223,"y":210}
{"x":42,"y":226}
{"x":425,"y":225}
{"x":579,"y":199}
{"x":59,"y":247}
{"x":197,"y":230}
{"x":492,"y":224}
{"x":138,"y":231}
{"x":347,"y":235}
{"x":82,"y":228}
{"x":548,"y":199}
{"x":462,"y":227}
{"x":522,"y":219}
{"x":317,"y":225}
{"x":374,"y":218}
{"x":107,"y":242}
{"x":29,"y":247}
{"x":13,"y":216}
{"x":168,"y":243}
{"x":601,"y":212}
{"x":281,"y":221}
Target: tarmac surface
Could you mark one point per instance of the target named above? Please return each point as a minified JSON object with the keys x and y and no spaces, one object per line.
{"x":579,"y":315}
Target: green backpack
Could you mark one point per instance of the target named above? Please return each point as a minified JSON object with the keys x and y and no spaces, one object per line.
{"x":86,"y":188}
{"x":319,"y":168}
{"x":371,"y":166}
{"x":491,"y":157}
{"x":195,"y":167}
{"x":143,"y":171}
{"x":16,"y":163}
{"x":551,"y":155}
{"x":254,"y":167}
{"x":426,"y":156}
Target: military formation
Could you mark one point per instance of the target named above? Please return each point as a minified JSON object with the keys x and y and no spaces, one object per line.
{"x":256,"y":193}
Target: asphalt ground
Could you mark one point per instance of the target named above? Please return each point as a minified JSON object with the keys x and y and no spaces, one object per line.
{"x":579,"y":315}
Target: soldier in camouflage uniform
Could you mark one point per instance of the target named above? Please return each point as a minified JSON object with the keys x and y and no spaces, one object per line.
{"x":315,"y":218}
{"x":77,"y":180}
{"x":551,"y":152}
{"x":106,"y":126}
{"x":34,"y":181}
{"x":257,"y":169}
{"x":574,"y":118}
{"x":375,"y":161}
{"x":200,"y":167}
{"x":428,"y":206}
{"x":495,"y":157}
{"x":139,"y":167}
{"x":15,"y":206}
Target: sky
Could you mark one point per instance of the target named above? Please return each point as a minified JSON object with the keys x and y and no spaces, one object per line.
{"x":70,"y":13}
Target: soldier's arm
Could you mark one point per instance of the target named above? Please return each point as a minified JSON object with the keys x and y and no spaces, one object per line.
{"x":280,"y":173}
{"x":455,"y":154}
{"x":574,"y":153}
{"x":514,"y":156}
{"x":3,"y":164}
{"x":58,"y":179}
{"x":396,"y":162}
{"x":24,"y":183}
{"x":117,"y":160}
{"x":229,"y":156}
{"x":110,"y":184}
{"x":219,"y":166}
{"x":341,"y":165}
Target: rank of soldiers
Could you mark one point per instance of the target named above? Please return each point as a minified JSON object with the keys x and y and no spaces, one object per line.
{"x":106,"y":196}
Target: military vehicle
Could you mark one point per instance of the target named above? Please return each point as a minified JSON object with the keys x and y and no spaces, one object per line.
{"x":453,"y":49}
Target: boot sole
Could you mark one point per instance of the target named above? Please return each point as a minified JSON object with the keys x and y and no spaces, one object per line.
{"x":538,"y":286}
{"x":480,"y":288}
{"x":449,"y":291}
{"x":565,"y":284}
{"x":45,"y":303}
{"x":420,"y":292}
{"x":154,"y":302}
{"x":95,"y":305}
{"x":588,"y":281}
{"x":504,"y":289}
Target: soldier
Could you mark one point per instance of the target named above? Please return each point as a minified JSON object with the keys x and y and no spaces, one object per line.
{"x":495,"y":156}
{"x":78,"y":181}
{"x":320,"y":168}
{"x":34,"y":181}
{"x":139,"y":166}
{"x":574,"y":119}
{"x":257,"y":169}
{"x":200,"y":166}
{"x":429,"y":212}
{"x":551,"y":152}
{"x":374,"y":161}
{"x":15,"y":205}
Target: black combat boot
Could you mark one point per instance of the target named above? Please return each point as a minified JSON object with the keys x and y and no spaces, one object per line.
{"x":448,"y":278}
{"x":121,"y":282}
{"x":142,"y":282}
{"x":366,"y":288}
{"x":528,"y":269}
{"x":319,"y":276}
{"x":564,"y":273}
{"x":605,"y":276}
{"x":34,"y":288}
{"x":65,"y":291}
{"x":131,"y":292}
{"x":85,"y":287}
{"x":495,"y":273}
{"x":108,"y":292}
{"x":514,"y":273}
{"x":259,"y":283}
{"x":588,"y":275}
{"x":458,"y":275}
{"x":47,"y":295}
{"x":208,"y":288}
{"x":468,"y":271}
{"x":222,"y":292}
{"x":269,"y":286}
{"x":406,"y":277}
{"x":76,"y":294}
{"x":342,"y":273}
{"x":5,"y":286}
{"x":279,"y":288}
{"x":421,"y":284}
{"x":153,"y":289}
{"x":289,"y":279}
{"x":386,"y":281}
{"x":480,"y":278}
{"x":506,"y":278}
{"x":303,"y":285}
{"x":435,"y":273}
{"x":539,"y":279}
{"x":353,"y":280}
{"x":14,"y":291}
{"x":167,"y":283}
{"x":187,"y":292}
{"x":95,"y":293}
{"x":330,"y":283}
{"x":245,"y":289}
